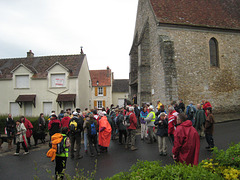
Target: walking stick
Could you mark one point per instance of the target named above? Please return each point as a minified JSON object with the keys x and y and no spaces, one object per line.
{"x":24,"y":140}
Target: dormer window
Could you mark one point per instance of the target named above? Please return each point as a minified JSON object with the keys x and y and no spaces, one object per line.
{"x":58,"y":80}
{"x":22,"y":81}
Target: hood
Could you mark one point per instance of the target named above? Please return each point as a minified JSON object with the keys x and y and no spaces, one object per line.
{"x":187,"y":123}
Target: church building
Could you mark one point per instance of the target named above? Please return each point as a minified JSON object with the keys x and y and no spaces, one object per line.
{"x":187,"y":49}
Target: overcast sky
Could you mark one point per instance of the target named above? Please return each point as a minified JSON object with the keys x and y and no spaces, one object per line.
{"x":104,"y":28}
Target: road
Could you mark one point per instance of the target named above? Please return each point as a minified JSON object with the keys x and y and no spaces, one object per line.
{"x":116,"y":160}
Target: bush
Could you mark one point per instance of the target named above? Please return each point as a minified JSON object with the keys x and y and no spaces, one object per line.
{"x":225,"y":163}
{"x":33,"y":120}
{"x":154,"y":170}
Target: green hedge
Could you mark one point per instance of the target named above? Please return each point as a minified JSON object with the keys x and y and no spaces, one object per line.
{"x":153,"y":170}
{"x":33,"y":120}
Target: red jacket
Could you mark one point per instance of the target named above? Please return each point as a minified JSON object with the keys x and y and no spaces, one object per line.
{"x":65,"y":121}
{"x":186,"y":143}
{"x":28,"y":125}
{"x":172,"y":121}
{"x":132,"y":120}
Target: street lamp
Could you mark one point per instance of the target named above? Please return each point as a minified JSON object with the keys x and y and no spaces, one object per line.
{"x":97,"y":83}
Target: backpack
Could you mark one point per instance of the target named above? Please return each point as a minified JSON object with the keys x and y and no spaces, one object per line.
{"x":191,"y":111}
{"x":73,"y":126}
{"x":126,"y":121}
{"x":60,"y":147}
{"x":93,"y":129}
{"x":57,"y":142}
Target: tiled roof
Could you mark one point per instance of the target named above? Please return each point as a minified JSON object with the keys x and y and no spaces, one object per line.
{"x":40,"y":65}
{"x":208,"y":13}
{"x":120,"y":85}
{"x":102,"y":76}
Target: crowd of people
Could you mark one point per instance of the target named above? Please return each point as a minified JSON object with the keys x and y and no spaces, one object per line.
{"x":182,"y":126}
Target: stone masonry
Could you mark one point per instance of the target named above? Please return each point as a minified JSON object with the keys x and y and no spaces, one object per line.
{"x":171,"y":62}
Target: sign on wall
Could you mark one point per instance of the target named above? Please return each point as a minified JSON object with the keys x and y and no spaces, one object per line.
{"x":58,"y":80}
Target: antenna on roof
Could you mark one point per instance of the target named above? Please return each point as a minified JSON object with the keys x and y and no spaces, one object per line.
{"x":81,"y":50}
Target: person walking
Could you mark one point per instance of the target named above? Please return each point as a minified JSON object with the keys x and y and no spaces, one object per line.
{"x":41,"y":127}
{"x":209,"y":127}
{"x":150,"y":119}
{"x":200,"y":119}
{"x":92,"y":129}
{"x":143,"y":114}
{"x":104,"y":135}
{"x":61,"y":159}
{"x":131,"y":129}
{"x":186,"y":142}
{"x":21,"y":137}
{"x":76,"y":128}
{"x":162,"y":132}
{"x":10,"y":128}
{"x":28,"y":125}
{"x":121,"y":128}
{"x":172,"y":122}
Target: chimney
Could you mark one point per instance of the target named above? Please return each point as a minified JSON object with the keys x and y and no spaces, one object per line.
{"x":108,"y":71}
{"x":81,"y":50}
{"x":30,"y":54}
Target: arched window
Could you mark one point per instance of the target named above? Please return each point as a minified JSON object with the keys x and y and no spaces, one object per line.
{"x":214,"y":57}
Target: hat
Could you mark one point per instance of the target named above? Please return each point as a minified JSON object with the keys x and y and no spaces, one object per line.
{"x":53,"y":115}
{"x":151,"y":107}
{"x":104,"y":112}
{"x":75,"y":113}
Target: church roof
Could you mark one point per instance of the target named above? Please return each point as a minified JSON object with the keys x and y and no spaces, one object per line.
{"x":207,"y":13}
{"x":120,"y":85}
{"x":102,"y":76}
{"x":39,"y":66}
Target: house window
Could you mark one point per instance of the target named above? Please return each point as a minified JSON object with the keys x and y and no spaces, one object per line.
{"x":214,"y":54}
{"x":14,"y":109}
{"x":58,"y":80}
{"x":99,"y":104}
{"x":22,"y":81}
{"x":28,"y":109}
{"x":100,"y":91}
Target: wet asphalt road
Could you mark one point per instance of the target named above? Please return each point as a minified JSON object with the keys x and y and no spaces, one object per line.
{"x":116,"y":160}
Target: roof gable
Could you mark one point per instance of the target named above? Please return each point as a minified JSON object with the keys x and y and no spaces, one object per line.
{"x":102,"y":76}
{"x":215,"y":13}
{"x":41,"y":65}
{"x":27,"y":67}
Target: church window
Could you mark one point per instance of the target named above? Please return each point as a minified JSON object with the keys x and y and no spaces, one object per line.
{"x":214,"y":56}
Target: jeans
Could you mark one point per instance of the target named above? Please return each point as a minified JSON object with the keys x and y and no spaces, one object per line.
{"x":144,"y":131}
{"x":75,"y":137}
{"x":162,"y":146}
{"x":210,"y":140}
{"x":23,"y":145}
{"x":85,"y":141}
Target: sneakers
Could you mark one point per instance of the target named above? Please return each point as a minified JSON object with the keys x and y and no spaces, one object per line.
{"x":80,"y":157}
{"x":133,"y":148}
{"x":25,"y":153}
{"x":16,"y":154}
{"x":164,"y":154}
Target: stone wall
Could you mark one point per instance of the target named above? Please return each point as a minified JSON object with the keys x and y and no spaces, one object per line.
{"x":179,"y":63}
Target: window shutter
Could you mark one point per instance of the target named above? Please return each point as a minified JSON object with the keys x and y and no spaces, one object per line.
{"x":103,"y":103}
{"x":95,"y":104}
{"x":96,"y":91}
{"x":104,"y":91}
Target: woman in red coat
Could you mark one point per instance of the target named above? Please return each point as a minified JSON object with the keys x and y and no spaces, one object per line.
{"x":29,"y":128}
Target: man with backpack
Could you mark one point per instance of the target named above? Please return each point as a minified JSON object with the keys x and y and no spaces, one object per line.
{"x":190,"y":112}
{"x":121,"y":128}
{"x":75,"y":129}
{"x":150,"y":119}
{"x":59,"y":152}
{"x":92,"y":129}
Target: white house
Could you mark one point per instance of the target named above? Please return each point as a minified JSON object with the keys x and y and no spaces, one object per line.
{"x":32,"y":85}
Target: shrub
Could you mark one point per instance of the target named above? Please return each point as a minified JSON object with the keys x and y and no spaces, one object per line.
{"x":224,"y":163}
{"x":154,"y":170}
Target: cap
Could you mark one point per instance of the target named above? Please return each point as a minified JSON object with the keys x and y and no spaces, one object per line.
{"x":75,"y":113}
